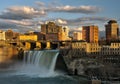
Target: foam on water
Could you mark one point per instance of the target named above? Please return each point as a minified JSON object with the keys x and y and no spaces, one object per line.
{"x":38,"y":64}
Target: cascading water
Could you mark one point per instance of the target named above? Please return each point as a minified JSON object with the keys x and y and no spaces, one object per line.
{"x":40,"y":63}
{"x":37,"y":67}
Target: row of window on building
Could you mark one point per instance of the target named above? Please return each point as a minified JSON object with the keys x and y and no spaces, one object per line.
{"x":96,"y":49}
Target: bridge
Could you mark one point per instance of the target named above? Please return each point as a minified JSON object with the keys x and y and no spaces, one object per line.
{"x":30,"y":45}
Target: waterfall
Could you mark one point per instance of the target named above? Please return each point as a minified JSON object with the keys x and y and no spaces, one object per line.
{"x":40,"y":63}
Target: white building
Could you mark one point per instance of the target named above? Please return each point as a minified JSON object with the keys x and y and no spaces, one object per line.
{"x":77,"y":35}
{"x":65,"y":32}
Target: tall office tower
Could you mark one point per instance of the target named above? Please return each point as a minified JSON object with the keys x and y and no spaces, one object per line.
{"x":112,"y":31}
{"x":90,"y":33}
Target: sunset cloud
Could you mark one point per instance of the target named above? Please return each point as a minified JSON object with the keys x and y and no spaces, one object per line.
{"x":22,"y":22}
{"x":75,"y":9}
{"x":6,"y":25}
{"x":29,"y":17}
{"x":80,"y":21}
{"x":20,"y":25}
{"x":21,"y":12}
{"x":61,"y":21}
{"x":57,"y":7}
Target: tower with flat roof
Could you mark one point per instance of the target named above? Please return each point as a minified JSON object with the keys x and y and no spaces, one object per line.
{"x":112,"y":31}
{"x":90,"y":33}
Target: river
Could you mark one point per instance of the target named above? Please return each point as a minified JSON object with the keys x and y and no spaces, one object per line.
{"x":37,"y":67}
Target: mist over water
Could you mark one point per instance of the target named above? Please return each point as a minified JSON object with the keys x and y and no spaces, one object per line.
{"x":36,"y":64}
{"x":39,"y":63}
{"x":37,"y":67}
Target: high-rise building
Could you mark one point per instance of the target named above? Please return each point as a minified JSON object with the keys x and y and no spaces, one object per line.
{"x":112,"y":31}
{"x":90,"y":33}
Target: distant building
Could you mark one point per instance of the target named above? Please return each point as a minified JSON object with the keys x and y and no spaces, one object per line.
{"x":52,"y":37}
{"x":66,"y":31}
{"x":54,"y":32}
{"x":77,"y":35}
{"x":40,"y":36}
{"x":28,"y":37}
{"x":79,"y":48}
{"x":63,"y":35}
{"x":94,"y":49}
{"x":2,"y":35}
{"x":9,"y":34}
{"x":90,"y":34}
{"x":16,"y":35}
{"x":50,"y":28}
{"x":112,"y":31}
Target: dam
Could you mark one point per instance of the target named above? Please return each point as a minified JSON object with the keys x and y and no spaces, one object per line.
{"x":35,"y":66}
{"x":46,"y":60}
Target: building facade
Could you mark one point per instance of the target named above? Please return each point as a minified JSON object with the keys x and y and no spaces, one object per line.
{"x":63,"y":35}
{"x":54,"y":32}
{"x":112,"y":31}
{"x":9,"y":34}
{"x":90,"y":34}
{"x":27,"y":37}
{"x":77,"y":35}
{"x":94,"y":49}
{"x":2,"y":35}
{"x":79,"y":49}
{"x":51,"y":31}
{"x":50,"y":27}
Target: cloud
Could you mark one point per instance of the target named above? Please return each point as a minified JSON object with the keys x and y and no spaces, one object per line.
{"x":40,"y":3}
{"x":33,"y":25}
{"x":6,"y":25}
{"x":21,"y":22}
{"x":74,"y":9}
{"x":21,"y":12}
{"x":56,"y":6}
{"x":87,"y":21}
{"x":61,"y":21}
{"x":79,"y":29}
{"x":80,"y":21}
{"x":20,"y":26}
{"x":26,"y":18}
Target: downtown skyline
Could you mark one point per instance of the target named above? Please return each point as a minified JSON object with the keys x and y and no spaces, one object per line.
{"x":29,"y":15}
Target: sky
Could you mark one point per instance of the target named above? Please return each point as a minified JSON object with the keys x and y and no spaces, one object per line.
{"x":27,"y":15}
